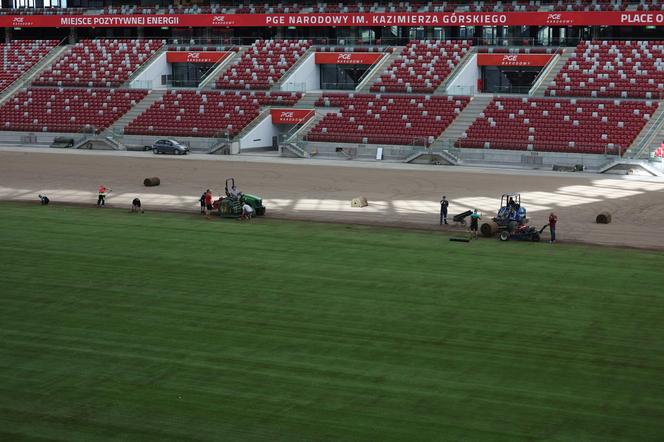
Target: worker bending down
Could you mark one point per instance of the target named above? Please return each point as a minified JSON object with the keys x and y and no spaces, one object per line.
{"x":247,"y":212}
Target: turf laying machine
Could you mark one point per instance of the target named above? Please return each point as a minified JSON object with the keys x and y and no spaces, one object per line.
{"x":511,"y":217}
{"x":230,"y":206}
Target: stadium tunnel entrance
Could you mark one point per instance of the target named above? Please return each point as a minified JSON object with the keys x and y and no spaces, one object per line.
{"x":179,"y":69}
{"x":344,"y":70}
{"x":332,"y":70}
{"x":510,"y":73}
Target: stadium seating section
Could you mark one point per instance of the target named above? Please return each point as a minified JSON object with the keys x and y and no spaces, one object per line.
{"x":346,"y":6}
{"x":624,"y":69}
{"x":559,"y":125}
{"x":389,"y":119}
{"x":263,"y":64}
{"x":206,"y":113}
{"x":99,"y":63}
{"x":422,"y":66}
{"x":51,"y":109}
{"x":19,"y":56}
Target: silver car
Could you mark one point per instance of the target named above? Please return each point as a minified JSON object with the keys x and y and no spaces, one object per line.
{"x":169,"y":146}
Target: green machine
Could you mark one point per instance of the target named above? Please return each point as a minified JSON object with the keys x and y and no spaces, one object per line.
{"x":231,"y":205}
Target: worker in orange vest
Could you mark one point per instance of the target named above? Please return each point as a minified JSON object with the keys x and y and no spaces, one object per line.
{"x":101,"y":199}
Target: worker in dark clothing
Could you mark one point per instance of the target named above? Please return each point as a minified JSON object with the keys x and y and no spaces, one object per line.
{"x":136,"y":206}
{"x":443,"y":210}
{"x":474,"y":223}
{"x":553,"y":220}
{"x":44,"y":200}
{"x":202,"y":201}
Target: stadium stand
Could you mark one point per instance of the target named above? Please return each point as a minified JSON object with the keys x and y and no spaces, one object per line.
{"x":651,"y":5}
{"x":263,"y":64}
{"x":422,"y":66}
{"x":633,"y":69}
{"x":19,"y":56}
{"x":51,"y":109}
{"x":390,"y":119}
{"x":558,"y":125}
{"x":99,"y":63}
{"x":205,"y":114}
{"x":348,"y":6}
{"x":594,"y":5}
{"x":42,"y":11}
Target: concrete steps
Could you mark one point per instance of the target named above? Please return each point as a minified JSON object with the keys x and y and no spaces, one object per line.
{"x":365,"y":86}
{"x":299,"y":132}
{"x":279,"y":83}
{"x":650,"y":138}
{"x":134,"y":75}
{"x":210,"y":81}
{"x":308,"y":100}
{"x":117,"y":128}
{"x":540,"y":86}
{"x":462,"y":122}
{"x":32,"y":73}
{"x":442,"y":89}
{"x":262,"y":115}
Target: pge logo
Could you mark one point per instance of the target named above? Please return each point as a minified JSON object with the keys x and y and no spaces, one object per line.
{"x":18,"y":21}
{"x":193,"y":55}
{"x":345,"y":57}
{"x":217,"y":19}
{"x":287,"y":115}
{"x":510,"y":58}
{"x":554,"y":17}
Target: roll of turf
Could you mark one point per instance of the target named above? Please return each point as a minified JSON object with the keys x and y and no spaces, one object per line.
{"x":603,"y":218}
{"x":151,"y":181}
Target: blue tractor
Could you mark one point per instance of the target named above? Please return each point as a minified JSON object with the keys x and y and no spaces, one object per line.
{"x":511,"y":214}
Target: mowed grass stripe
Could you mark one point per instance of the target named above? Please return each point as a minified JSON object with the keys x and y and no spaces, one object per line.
{"x":166,"y":326}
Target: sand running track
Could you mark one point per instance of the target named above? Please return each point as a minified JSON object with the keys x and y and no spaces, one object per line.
{"x":399,"y":195}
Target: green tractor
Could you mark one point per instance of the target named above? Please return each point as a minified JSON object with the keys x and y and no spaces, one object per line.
{"x":231,"y":205}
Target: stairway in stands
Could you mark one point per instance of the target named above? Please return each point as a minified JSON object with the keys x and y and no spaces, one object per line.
{"x":546,"y":81}
{"x":462,"y":122}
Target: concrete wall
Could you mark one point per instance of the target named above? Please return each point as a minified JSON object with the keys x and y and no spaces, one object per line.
{"x":150,"y":78}
{"x":465,"y":83}
{"x":260,"y":135}
{"x":305,"y":77}
{"x":548,"y":159}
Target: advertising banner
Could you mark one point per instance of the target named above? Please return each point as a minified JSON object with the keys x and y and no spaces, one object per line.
{"x":195,"y":56}
{"x":290,"y":116}
{"x":513,"y":59}
{"x":578,"y":18}
{"x":347,"y":57}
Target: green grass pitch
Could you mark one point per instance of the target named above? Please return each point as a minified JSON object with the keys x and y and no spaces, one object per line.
{"x":165,"y":327}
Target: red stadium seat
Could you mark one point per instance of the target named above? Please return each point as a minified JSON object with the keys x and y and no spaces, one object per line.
{"x":206,"y":113}
{"x":624,"y":69}
{"x":422,"y":66}
{"x":559,"y":125}
{"x":99,"y":63}
{"x":386,"y":119}
{"x":264,"y":63}
{"x":67,"y":110}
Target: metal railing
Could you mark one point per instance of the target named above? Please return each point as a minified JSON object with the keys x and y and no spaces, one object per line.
{"x":545,"y":72}
{"x":342,"y":86}
{"x":607,"y":149}
{"x":461,"y":90}
{"x":649,"y":138}
{"x":294,"y":86}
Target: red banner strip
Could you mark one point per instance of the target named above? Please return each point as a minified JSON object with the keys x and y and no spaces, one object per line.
{"x":195,"y":57}
{"x":513,"y":59}
{"x":347,"y":57}
{"x":591,"y":18}
{"x":290,"y":116}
